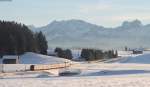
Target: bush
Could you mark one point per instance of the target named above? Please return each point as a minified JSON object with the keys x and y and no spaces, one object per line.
{"x":64,"y":53}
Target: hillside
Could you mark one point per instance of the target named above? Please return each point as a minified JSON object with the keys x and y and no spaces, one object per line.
{"x":33,"y":58}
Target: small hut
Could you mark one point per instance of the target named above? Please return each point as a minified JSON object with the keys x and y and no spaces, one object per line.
{"x":10,"y":59}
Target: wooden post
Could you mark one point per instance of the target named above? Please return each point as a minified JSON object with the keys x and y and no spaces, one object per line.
{"x":2,"y":68}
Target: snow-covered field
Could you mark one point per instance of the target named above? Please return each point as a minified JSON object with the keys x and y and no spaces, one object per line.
{"x":116,"y":75}
{"x":127,"y":71}
{"x":33,"y":58}
{"x":78,"y":82}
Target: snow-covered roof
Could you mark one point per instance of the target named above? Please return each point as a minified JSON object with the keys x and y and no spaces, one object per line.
{"x":10,"y":57}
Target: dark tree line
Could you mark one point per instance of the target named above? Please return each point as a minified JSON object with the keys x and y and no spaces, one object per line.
{"x":92,"y":54}
{"x":64,"y":53}
{"x":17,"y":38}
{"x":87,"y":54}
{"x":41,"y":42}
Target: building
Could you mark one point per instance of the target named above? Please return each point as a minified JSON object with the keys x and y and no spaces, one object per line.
{"x":137,"y":52}
{"x":10,"y":60}
{"x":51,"y":52}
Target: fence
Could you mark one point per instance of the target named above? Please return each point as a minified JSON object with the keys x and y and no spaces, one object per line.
{"x":27,"y":67}
{"x":14,"y":67}
{"x":50,"y":66}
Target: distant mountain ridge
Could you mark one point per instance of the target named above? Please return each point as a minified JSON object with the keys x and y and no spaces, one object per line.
{"x":78,"y":33}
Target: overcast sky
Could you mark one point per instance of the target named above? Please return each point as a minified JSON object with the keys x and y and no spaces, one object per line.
{"x":109,"y":13}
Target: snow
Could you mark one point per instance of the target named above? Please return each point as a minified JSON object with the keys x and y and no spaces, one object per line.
{"x":14,"y":67}
{"x":142,"y":59}
{"x":124,"y":53}
{"x":78,"y":82}
{"x":126,"y":57}
{"x":10,"y":57}
{"x":33,"y":58}
{"x":126,"y":71}
{"x":30,"y":58}
{"x":106,"y":75}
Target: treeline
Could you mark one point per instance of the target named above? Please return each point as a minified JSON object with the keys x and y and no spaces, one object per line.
{"x":64,"y":53}
{"x":87,"y":54}
{"x":92,"y":54}
{"x":17,"y":38}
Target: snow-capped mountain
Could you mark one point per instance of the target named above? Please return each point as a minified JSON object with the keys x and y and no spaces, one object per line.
{"x":78,"y":33}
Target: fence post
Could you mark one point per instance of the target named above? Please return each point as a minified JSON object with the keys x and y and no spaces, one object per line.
{"x":65,"y":64}
{"x":2,"y":68}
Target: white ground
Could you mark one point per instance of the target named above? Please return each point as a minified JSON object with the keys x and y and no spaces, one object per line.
{"x":33,"y":58}
{"x":126,"y":71}
{"x":78,"y":82}
{"x":116,"y":75}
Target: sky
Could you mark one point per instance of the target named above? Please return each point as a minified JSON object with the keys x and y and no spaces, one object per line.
{"x":108,"y":13}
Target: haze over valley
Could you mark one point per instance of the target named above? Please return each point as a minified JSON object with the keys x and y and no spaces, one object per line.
{"x":81,"y":34}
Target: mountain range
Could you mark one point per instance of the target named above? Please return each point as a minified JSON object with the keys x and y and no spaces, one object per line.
{"x":79,"y":34}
